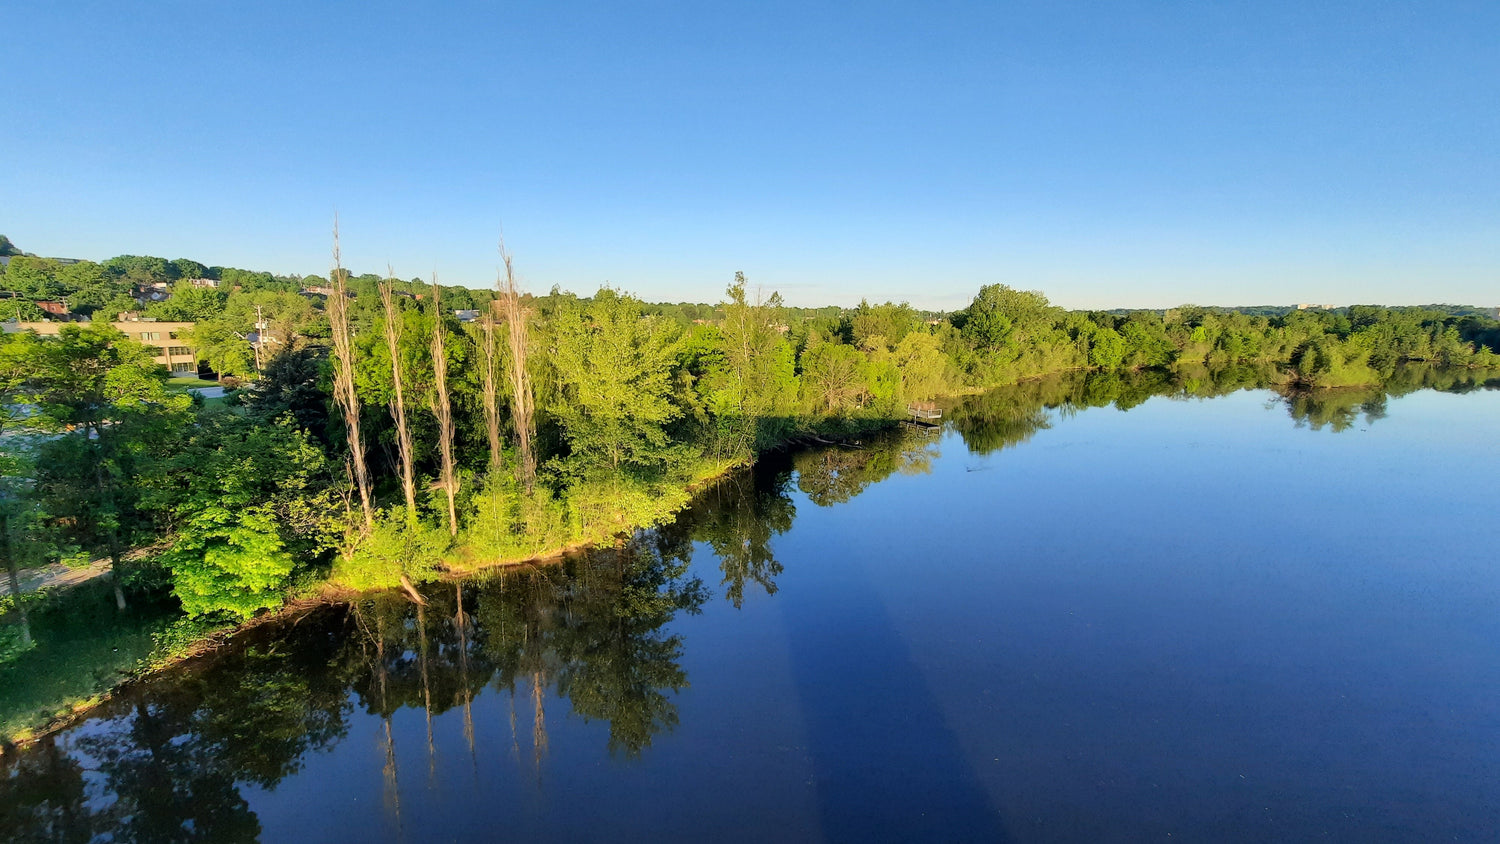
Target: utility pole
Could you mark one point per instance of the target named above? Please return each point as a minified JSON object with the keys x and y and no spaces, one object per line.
{"x":260,"y":336}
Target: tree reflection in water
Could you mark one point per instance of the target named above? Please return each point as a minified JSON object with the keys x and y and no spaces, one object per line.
{"x":167,"y":759}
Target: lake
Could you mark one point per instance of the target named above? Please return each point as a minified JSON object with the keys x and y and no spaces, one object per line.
{"x":1085,"y":608}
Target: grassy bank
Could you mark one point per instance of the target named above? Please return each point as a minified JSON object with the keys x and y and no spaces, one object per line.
{"x":84,"y":649}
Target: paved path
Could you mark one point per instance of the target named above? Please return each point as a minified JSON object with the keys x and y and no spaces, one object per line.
{"x":55,"y":575}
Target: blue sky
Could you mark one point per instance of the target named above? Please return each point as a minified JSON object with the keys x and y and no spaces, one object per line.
{"x":1109,"y":154}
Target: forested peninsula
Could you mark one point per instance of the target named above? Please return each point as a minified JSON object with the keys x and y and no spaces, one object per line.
{"x":379,"y":432}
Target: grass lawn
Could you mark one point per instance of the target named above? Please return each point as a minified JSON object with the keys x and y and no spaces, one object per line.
{"x":184,"y":381}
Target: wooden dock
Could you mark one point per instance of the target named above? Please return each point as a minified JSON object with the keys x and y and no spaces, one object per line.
{"x":924,"y":415}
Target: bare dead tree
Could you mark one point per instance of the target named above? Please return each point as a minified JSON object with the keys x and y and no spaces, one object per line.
{"x":398,"y":398}
{"x":442,"y":409}
{"x":343,"y":376}
{"x":490,"y":385}
{"x":522,"y":411}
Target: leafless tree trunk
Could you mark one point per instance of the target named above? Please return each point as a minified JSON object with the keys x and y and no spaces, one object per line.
{"x":343,"y":377}
{"x":520,"y":380}
{"x":442,"y":408}
{"x":491,"y":388}
{"x":398,"y":400}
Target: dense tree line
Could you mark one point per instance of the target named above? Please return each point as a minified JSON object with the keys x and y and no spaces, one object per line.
{"x":381,"y":439}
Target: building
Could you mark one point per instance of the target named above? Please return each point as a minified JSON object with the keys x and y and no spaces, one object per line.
{"x":466,"y":315}
{"x":324,"y":292}
{"x":156,"y":291}
{"x":167,"y":339}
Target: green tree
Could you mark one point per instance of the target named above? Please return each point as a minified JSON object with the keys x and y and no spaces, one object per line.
{"x":924,"y":370}
{"x":91,"y":288}
{"x":189,"y":303}
{"x":105,"y":388}
{"x":890,"y":322}
{"x":246,"y":500}
{"x":34,"y":278}
{"x":756,"y":385}
{"x":613,"y":367}
{"x":186,"y":268}
{"x":1106,"y":348}
{"x":141,"y":269}
{"x":1000,"y":316}
{"x":832,"y":378}
{"x":226,"y":351}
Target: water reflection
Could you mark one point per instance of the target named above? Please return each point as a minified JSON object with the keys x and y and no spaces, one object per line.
{"x":737,"y":520}
{"x":590,"y":637}
{"x":168,"y":763}
{"x":167,"y":760}
{"x":1010,"y":416}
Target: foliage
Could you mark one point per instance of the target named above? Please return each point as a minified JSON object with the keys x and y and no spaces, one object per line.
{"x":92,"y":374}
{"x":242,"y":501}
{"x":189,"y":303}
{"x":748,"y":378}
{"x":392,"y":550}
{"x":613,"y":368}
{"x":636,"y":403}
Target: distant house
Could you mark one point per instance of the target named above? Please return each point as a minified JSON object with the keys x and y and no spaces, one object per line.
{"x":203,"y":282}
{"x":466,"y":315}
{"x":153,"y":292}
{"x":324,"y":292}
{"x":59,"y":309}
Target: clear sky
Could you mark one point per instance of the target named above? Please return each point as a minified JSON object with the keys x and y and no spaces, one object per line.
{"x":1110,"y":154}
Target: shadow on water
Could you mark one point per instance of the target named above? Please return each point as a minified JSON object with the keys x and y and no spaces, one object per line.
{"x":887,"y":766}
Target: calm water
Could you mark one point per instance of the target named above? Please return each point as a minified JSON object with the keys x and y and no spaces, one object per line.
{"x":1211,"y":618}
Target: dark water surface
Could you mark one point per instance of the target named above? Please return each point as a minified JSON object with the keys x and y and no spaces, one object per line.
{"x":1231,"y":618}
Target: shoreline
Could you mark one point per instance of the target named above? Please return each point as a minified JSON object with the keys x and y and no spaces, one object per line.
{"x":325,"y":594}
{"x":328,"y":593}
